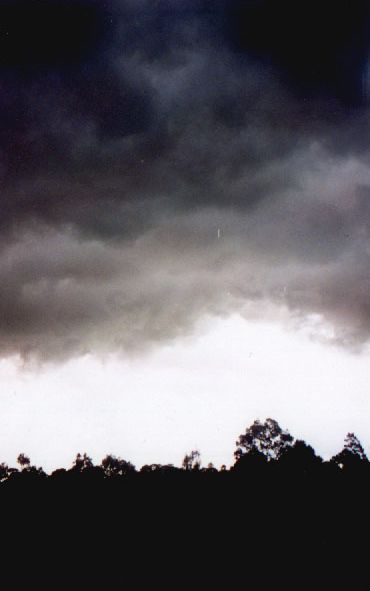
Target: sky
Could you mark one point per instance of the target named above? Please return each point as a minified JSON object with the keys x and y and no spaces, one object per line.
{"x":185,"y":225}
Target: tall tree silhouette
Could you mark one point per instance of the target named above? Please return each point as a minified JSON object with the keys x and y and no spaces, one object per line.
{"x":352,"y":455}
{"x":353,"y":445}
{"x":191,"y":461}
{"x":267,"y":438}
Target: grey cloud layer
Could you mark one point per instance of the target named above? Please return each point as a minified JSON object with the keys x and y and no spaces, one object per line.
{"x":118,"y":172}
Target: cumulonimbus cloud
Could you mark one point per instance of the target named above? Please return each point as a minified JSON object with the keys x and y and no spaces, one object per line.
{"x":176,"y":165}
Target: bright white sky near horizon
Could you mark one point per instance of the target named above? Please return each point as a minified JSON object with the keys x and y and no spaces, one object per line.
{"x":199,"y":392}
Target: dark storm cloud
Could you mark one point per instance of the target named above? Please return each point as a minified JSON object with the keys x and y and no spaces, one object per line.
{"x":131,"y":131}
{"x":51,"y":33}
{"x":320,"y":48}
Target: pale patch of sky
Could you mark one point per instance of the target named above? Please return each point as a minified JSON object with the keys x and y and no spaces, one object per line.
{"x":198,"y":393}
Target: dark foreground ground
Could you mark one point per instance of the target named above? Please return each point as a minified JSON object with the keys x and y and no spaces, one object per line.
{"x":258,"y":528}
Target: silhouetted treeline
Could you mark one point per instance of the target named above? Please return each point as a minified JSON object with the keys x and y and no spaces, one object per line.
{"x":277,"y":511}
{"x":265,"y":450}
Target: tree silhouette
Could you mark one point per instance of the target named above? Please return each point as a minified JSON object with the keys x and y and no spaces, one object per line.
{"x":267,"y":438}
{"x":191,"y":461}
{"x":352,"y":456}
{"x":149,"y":468}
{"x":159,"y":469}
{"x":251,"y":462}
{"x":82,"y":462}
{"x":352,"y":444}
{"x":23,"y":461}
{"x":4,"y":472}
{"x":299,"y":457}
{"x":210,"y":469}
{"x":28,"y":473}
{"x":114,"y":467}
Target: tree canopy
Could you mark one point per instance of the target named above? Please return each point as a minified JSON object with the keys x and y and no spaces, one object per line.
{"x":268,"y":438}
